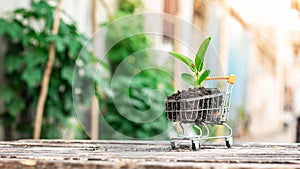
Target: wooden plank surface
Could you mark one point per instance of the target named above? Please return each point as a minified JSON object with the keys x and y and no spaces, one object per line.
{"x":144,"y":154}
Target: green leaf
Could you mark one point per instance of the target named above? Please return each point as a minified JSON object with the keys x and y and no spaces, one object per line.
{"x":203,"y":76}
{"x":3,"y":26}
{"x":56,"y":113}
{"x":12,"y":63}
{"x":20,"y":11}
{"x":14,"y":30}
{"x":60,"y":43}
{"x":53,"y":93}
{"x":64,"y":29}
{"x":32,"y":76}
{"x":138,"y":104}
{"x":7,"y":94}
{"x":41,"y":8}
{"x":34,"y":58}
{"x":15,"y":106}
{"x":75,"y":48}
{"x":68,"y":103}
{"x":199,"y":59}
{"x":111,"y":117}
{"x":25,"y":40}
{"x":67,"y":74}
{"x":184,"y":59}
{"x":188,"y":78}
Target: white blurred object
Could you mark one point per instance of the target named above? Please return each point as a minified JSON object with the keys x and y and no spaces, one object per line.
{"x":297,"y":102}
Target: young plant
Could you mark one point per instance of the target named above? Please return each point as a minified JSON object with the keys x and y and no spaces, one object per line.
{"x":197,"y":66}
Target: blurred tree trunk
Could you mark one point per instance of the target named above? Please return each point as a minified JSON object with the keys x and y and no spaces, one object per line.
{"x":46,"y":76}
{"x":94,"y":100}
{"x":200,"y":14}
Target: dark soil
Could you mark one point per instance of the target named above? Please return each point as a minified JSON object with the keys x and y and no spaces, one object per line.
{"x":191,"y":108}
{"x":192,"y":93}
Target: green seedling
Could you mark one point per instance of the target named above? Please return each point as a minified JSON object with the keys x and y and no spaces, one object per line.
{"x":197,"y":66}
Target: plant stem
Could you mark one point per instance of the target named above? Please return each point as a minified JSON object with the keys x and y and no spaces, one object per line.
{"x":46,"y":76}
{"x":197,"y":78}
{"x":94,"y":100}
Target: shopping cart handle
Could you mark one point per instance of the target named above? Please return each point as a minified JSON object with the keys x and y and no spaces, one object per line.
{"x":230,"y":79}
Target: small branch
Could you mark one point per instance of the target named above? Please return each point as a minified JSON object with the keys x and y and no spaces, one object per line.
{"x":46,"y":76}
{"x":94,"y":100}
{"x":107,"y":9}
{"x":239,"y":18}
{"x":94,"y":20}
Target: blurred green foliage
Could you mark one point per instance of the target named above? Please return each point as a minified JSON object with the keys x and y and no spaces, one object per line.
{"x":139,"y":93}
{"x":28,"y":35}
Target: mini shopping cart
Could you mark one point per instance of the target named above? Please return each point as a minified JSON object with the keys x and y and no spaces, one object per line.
{"x":202,"y":111}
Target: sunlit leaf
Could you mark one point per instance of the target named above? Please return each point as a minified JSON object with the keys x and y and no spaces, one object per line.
{"x":184,"y":59}
{"x":203,"y":76}
{"x":67,"y":74}
{"x":32,"y":76}
{"x":60,"y":44}
{"x":199,"y":59}
{"x":15,"y":30}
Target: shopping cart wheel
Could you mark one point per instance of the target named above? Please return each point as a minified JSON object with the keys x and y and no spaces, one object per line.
{"x":195,"y":145}
{"x":229,"y":142}
{"x":173,"y":145}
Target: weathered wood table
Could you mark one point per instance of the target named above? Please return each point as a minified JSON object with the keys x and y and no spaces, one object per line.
{"x":144,"y":154}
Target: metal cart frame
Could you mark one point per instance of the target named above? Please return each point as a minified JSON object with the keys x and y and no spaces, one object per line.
{"x":206,"y":110}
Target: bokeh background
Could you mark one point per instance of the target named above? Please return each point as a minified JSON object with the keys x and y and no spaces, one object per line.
{"x":258,"y":40}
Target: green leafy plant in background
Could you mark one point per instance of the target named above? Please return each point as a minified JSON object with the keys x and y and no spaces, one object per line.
{"x":27,"y":33}
{"x":141,"y":86}
{"x":196,"y":66}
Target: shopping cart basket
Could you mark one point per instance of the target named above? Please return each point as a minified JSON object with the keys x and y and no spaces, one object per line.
{"x":206,"y":110}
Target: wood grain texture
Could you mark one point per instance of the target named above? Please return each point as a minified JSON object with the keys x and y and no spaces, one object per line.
{"x":144,"y":154}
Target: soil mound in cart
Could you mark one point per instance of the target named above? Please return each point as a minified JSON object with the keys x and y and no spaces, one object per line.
{"x":193,"y":93}
{"x":196,"y":108}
